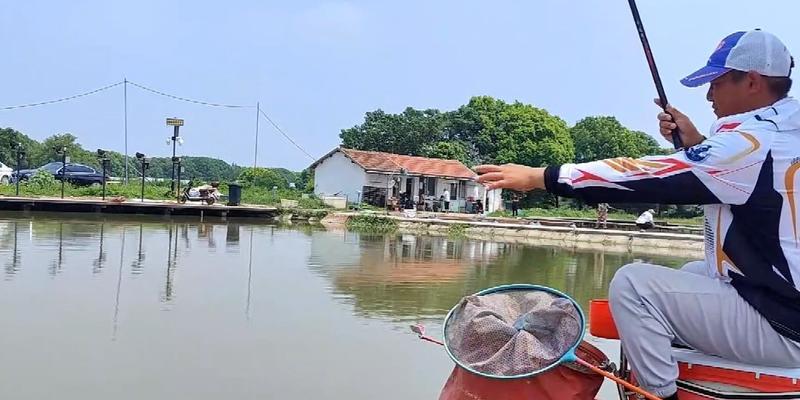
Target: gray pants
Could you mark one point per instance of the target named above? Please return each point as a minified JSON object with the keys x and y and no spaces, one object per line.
{"x":656,"y":306}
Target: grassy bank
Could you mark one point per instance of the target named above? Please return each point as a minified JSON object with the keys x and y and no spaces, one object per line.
{"x":155,"y":191}
{"x":371,"y":223}
{"x":575,"y":213}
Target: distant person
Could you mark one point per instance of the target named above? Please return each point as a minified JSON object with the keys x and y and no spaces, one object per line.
{"x":446,"y":199}
{"x":602,"y":216}
{"x":514,"y":205}
{"x":645,"y":221}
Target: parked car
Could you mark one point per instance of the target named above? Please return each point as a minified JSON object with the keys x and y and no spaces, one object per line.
{"x":77,"y":174}
{"x":5,"y":174}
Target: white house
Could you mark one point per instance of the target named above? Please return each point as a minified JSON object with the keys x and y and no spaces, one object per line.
{"x":379,"y":179}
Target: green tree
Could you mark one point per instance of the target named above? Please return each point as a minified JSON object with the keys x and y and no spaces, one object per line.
{"x":500,"y":132}
{"x":405,"y":133}
{"x":452,"y":150}
{"x":9,"y":138}
{"x":263,"y":177}
{"x":598,"y":138}
{"x":48,"y":151}
{"x":305,"y":181}
{"x":289,"y":176}
{"x":647,"y":145}
{"x":484,"y":130}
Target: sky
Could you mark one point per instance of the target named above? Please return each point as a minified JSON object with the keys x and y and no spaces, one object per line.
{"x":316,"y":67}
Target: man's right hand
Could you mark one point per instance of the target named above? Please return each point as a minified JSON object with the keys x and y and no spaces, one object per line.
{"x":689,"y":133}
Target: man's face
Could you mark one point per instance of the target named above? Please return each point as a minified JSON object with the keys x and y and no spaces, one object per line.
{"x":729,"y":96}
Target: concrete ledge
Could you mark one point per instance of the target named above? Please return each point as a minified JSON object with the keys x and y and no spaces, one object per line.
{"x":579,"y":238}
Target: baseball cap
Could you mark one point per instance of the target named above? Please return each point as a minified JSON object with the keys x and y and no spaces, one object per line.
{"x":754,"y":50}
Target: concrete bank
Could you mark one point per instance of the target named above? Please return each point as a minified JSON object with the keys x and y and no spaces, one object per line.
{"x":659,"y":243}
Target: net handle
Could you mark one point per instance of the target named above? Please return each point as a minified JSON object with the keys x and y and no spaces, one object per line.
{"x":609,"y":375}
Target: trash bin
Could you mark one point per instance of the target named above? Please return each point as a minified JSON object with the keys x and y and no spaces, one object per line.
{"x":234,"y":194}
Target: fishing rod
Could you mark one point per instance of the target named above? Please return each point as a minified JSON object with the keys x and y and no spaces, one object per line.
{"x":651,"y":62}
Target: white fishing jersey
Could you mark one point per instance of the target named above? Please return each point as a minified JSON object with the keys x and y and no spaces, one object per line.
{"x":746,"y":175}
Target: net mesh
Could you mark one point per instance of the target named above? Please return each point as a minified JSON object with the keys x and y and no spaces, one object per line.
{"x":512,"y":332}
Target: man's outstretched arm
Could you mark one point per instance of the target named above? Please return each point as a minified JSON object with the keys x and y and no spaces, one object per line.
{"x":722,"y":169}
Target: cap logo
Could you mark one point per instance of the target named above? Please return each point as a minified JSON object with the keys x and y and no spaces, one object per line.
{"x":721,"y":45}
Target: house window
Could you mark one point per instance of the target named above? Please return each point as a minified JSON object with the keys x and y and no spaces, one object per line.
{"x":430,"y":186}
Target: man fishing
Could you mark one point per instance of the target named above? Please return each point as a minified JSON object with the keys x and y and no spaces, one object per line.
{"x":742,"y":302}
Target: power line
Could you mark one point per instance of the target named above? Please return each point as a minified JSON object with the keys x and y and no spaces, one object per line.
{"x":278,"y":128}
{"x":171,"y":96}
{"x":205,"y":103}
{"x":63,"y":98}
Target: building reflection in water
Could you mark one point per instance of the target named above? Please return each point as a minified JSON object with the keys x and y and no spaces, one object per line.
{"x":404,"y":277}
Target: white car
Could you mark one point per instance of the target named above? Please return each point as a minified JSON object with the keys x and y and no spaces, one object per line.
{"x":5,"y":174}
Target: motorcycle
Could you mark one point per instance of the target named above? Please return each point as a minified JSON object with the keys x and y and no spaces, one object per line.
{"x":201,"y":194}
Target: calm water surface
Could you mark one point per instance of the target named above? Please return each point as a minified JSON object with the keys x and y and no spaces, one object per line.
{"x":94,"y":307}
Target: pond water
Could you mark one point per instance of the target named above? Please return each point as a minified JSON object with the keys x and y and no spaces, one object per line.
{"x":100,"y":307}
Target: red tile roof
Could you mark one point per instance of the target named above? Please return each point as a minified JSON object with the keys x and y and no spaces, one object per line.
{"x":376,"y":161}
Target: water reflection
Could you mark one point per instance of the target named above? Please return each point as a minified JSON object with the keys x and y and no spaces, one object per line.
{"x":387,"y":276}
{"x":137,"y":267}
{"x":159,"y":306}
{"x":12,"y":266}
{"x":101,"y":256}
{"x":249,"y":275}
{"x":206,"y":231}
{"x":232,"y":237}
{"x":55,"y":266}
{"x":172,"y":265}
{"x":119,"y":285}
{"x":404,"y":277}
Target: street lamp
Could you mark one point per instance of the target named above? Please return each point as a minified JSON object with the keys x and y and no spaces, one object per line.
{"x":145,"y":164}
{"x":62,"y":151}
{"x":20,"y":155}
{"x":105,"y":162}
{"x":176,"y":123}
{"x":176,"y":161}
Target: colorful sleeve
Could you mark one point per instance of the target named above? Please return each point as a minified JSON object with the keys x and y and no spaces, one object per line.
{"x":722,"y":169}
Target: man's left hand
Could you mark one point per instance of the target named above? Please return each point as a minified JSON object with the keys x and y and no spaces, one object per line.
{"x":511,"y":176}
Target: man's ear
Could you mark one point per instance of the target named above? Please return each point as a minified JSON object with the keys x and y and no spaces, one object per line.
{"x":755,"y":82}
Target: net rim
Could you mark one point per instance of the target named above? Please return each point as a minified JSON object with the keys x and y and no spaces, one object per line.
{"x":568,"y":356}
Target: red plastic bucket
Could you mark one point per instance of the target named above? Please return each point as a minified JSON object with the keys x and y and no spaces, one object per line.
{"x":567,"y":381}
{"x":601,"y":322}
